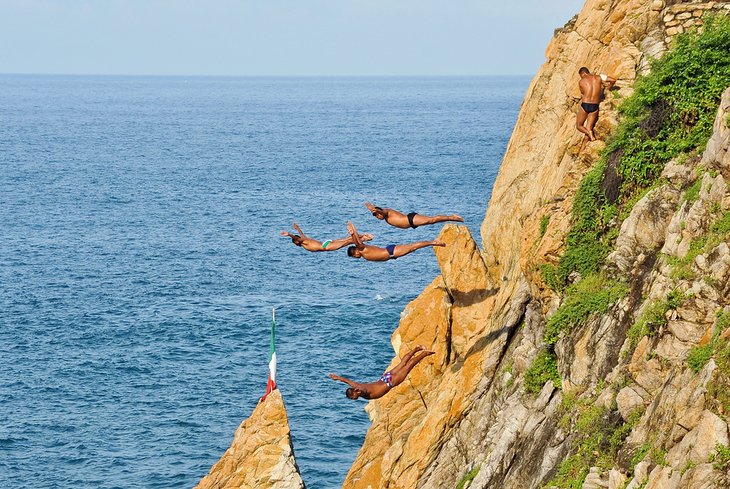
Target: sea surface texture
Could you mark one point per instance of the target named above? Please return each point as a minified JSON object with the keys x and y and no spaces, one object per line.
{"x":140,"y":258}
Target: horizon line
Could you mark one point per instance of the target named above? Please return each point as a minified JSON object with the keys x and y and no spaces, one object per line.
{"x":158,"y":75}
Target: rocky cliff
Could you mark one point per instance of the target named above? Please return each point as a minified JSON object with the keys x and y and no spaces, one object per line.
{"x":611,"y":379}
{"x":261,"y":453}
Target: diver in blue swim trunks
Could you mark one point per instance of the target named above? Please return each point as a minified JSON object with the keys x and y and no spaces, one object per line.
{"x":313,"y":245}
{"x":390,"y":379}
{"x":376,"y":253}
{"x":410,"y":220}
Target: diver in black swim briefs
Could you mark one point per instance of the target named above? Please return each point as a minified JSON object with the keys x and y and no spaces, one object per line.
{"x":589,"y":108}
{"x":390,"y":252}
{"x":411,"y":220}
{"x":591,"y":89}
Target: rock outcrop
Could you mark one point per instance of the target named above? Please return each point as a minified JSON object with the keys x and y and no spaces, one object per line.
{"x":260,"y":455}
{"x":465,"y":410}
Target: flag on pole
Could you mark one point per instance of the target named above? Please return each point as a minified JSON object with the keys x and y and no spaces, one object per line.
{"x":271,"y":385}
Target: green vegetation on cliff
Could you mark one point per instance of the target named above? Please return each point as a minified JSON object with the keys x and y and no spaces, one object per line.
{"x":673,"y":108}
{"x":599,"y":433}
{"x":543,"y":368}
{"x":669,"y":115}
{"x":592,"y":295}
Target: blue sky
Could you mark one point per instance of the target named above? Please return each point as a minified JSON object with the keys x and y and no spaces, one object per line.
{"x":278,"y":37}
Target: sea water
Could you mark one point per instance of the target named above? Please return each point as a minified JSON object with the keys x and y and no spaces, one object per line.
{"x":140,"y":258}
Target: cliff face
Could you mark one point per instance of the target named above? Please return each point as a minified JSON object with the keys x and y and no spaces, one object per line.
{"x":466,"y":407}
{"x":261,"y":453}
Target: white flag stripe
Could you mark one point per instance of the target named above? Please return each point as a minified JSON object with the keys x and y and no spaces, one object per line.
{"x":272,"y":367}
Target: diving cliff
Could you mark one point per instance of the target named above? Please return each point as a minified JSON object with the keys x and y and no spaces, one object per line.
{"x":586,"y":344}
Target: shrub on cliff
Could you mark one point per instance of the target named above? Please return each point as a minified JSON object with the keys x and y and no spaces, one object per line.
{"x":671,"y":112}
{"x":674,"y":106}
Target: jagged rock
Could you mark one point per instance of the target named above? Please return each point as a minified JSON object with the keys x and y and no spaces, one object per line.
{"x":676,"y":172}
{"x":701,"y":476}
{"x":261,"y":454}
{"x":616,"y":479}
{"x":697,"y":445}
{"x":644,"y":230}
{"x":451,"y":317}
{"x":674,"y":410}
{"x":662,"y":477}
{"x":628,"y":402}
{"x":716,"y":153}
{"x":640,"y":475}
{"x":594,"y":481}
{"x":647,"y":372}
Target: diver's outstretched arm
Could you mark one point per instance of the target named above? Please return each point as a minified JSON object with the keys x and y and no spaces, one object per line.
{"x":355,"y":237}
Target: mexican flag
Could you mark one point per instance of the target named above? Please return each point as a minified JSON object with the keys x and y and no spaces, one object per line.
{"x":271,"y":385}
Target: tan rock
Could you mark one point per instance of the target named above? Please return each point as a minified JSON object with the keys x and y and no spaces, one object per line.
{"x":451,"y":317}
{"x":628,"y":402}
{"x":644,"y":230}
{"x":701,"y":476}
{"x":261,"y":453}
{"x":662,"y":477}
{"x":616,"y":479}
{"x":594,"y":480}
{"x":698,"y":444}
{"x":640,"y":475}
{"x":647,"y":373}
{"x":716,"y":151}
{"x":549,"y":105}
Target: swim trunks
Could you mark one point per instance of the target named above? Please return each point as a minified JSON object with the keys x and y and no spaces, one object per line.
{"x":391,"y":250}
{"x":410,"y":219}
{"x":324,"y":245}
{"x":387,"y":377}
{"x":589,"y":107}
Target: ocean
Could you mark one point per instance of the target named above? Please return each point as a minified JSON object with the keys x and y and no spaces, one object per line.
{"x":140,"y":258}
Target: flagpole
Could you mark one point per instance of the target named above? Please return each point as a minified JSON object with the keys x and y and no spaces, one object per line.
{"x":271,"y":384}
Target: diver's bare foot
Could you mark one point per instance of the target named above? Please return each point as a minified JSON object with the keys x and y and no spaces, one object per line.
{"x":419,"y":347}
{"x":591,"y":136}
{"x":428,"y":352}
{"x":456,"y":217}
{"x":438,"y":243}
{"x":367,"y":237}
